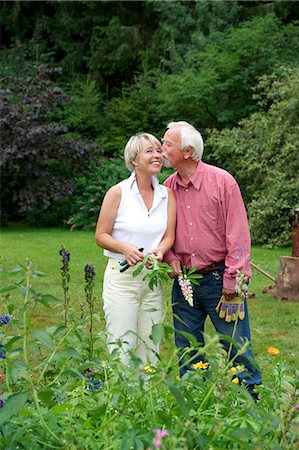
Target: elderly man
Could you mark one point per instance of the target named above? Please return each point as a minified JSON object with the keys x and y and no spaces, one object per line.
{"x":212,"y":235}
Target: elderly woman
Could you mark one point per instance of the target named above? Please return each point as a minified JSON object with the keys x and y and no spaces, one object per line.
{"x":137,"y":217}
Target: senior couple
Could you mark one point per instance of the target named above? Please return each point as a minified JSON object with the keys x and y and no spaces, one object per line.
{"x":196,"y":219}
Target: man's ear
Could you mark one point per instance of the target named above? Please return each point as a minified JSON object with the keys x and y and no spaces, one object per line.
{"x":188,"y":152}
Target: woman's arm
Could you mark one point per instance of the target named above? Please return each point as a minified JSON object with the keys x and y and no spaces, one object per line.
{"x":105,"y":224}
{"x":168,"y":238}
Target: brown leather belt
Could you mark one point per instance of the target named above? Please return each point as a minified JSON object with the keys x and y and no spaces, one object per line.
{"x":211,"y":268}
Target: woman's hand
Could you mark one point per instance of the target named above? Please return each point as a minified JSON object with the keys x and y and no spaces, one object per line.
{"x":157,"y":254}
{"x":132,"y":254}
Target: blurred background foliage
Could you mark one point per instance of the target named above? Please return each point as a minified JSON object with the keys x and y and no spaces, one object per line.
{"x":78,"y":78}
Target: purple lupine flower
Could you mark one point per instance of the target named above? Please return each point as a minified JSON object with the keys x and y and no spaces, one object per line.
{"x":2,"y":356}
{"x":1,"y":403}
{"x":89,"y":272}
{"x":66,"y":256}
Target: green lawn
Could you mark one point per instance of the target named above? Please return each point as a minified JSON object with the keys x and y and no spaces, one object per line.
{"x":273,"y":322}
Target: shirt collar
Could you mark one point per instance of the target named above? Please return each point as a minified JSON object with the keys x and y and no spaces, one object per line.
{"x":196,"y":178}
{"x":158,"y":190}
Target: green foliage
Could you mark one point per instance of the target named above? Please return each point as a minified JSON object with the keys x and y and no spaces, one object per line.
{"x":214,"y":88}
{"x":38,"y":159}
{"x":82,"y":114}
{"x":263,"y":154}
{"x":55,"y":396}
{"x":91,"y":189}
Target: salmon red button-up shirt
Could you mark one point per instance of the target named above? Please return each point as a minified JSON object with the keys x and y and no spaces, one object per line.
{"x":212,"y":223}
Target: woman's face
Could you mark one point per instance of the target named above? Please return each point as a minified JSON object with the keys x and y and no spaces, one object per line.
{"x":149,"y":159}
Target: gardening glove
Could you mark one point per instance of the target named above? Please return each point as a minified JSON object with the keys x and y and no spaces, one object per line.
{"x":231,"y":309}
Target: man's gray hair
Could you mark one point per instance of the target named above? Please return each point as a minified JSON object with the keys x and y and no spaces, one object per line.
{"x":137,"y":143}
{"x":190,"y":137}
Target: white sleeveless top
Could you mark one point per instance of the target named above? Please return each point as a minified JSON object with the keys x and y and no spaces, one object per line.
{"x":134,"y":223}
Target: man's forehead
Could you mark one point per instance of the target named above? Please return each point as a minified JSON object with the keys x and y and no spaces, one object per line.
{"x":172,"y":132}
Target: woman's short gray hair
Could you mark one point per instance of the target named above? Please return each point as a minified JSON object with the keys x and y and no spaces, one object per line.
{"x":190,"y":137}
{"x":134,"y":146}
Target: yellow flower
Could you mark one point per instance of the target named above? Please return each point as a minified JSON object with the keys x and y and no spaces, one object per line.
{"x":149,"y":369}
{"x":273,"y":351}
{"x":235,"y":380}
{"x":236,"y":369}
{"x":201,"y":365}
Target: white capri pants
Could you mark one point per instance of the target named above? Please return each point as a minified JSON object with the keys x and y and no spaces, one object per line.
{"x":131,"y":309}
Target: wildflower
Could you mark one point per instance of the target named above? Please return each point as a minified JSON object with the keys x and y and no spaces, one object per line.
{"x":89,"y":272}
{"x":65,"y":259}
{"x":235,"y":380}
{"x":4,"y":319}
{"x":1,"y":403}
{"x":159,"y":435}
{"x":149,"y":369}
{"x":2,"y":356}
{"x":186,"y":288}
{"x":92,"y":384}
{"x":297,"y":406}
{"x":273,"y":351}
{"x":201,"y":365}
{"x":236,"y":369}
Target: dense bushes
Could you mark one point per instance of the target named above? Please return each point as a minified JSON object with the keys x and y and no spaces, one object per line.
{"x":263,"y":155}
{"x":39,"y":160}
{"x":130,"y":67}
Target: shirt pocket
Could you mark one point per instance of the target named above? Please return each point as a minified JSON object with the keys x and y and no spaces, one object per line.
{"x":210,"y":219}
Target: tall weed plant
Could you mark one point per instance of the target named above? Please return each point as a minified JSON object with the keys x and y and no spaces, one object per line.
{"x":61,"y":389}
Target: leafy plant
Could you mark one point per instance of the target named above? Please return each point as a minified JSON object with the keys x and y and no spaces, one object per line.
{"x":53,"y":397}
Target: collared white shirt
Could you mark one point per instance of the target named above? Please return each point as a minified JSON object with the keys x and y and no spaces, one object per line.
{"x":134,"y":223}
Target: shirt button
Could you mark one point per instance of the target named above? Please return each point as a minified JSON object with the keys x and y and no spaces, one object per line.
{"x":190,"y":223}
{"x":188,"y":206}
{"x":191,"y":238}
{"x":186,"y":190}
{"x":193,"y":254}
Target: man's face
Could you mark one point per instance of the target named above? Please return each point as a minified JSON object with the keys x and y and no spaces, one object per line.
{"x":171,"y":147}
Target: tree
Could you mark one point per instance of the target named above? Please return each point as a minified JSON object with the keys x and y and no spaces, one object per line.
{"x":262,"y":152}
{"x":39,"y":160}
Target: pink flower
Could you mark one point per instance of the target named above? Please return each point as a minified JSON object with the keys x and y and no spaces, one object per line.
{"x":159,"y":435}
{"x":186,"y":288}
{"x":157,"y":442}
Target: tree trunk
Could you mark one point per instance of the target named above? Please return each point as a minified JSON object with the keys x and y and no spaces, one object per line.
{"x":287,"y":279}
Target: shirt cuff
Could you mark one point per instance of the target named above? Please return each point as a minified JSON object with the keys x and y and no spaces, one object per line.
{"x":229,"y":283}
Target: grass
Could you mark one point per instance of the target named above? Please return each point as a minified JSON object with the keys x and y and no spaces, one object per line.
{"x":273,"y":322}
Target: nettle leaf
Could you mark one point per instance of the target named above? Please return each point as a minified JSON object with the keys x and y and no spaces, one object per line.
{"x":43,"y":337}
{"x":181,"y":400}
{"x":11,"y":287}
{"x":46,"y":299}
{"x":12,"y":405}
{"x":157,"y":333}
{"x":57,"y":409}
{"x":138,"y":270}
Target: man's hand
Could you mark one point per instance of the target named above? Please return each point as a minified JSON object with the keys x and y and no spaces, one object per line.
{"x":230,"y":306}
{"x":176,"y":266}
